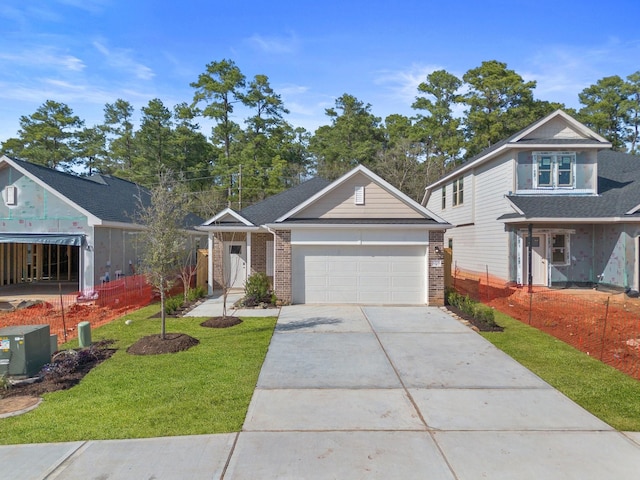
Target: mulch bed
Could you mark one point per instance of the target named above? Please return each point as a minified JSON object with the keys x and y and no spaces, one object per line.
{"x":63,"y":374}
{"x":155,"y":344}
{"x":482,"y":326}
{"x":221,"y":322}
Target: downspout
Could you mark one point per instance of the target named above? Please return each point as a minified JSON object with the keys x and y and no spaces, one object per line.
{"x":210,"y":264}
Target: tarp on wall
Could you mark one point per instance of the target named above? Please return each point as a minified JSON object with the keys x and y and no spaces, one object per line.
{"x":45,"y":238}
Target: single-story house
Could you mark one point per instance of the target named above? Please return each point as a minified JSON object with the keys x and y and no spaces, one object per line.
{"x":55,"y":226}
{"x":356,"y":240}
{"x":552,"y":205}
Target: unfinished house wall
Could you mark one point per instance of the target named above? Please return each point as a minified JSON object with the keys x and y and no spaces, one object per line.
{"x":610,"y":254}
{"x":28,"y":208}
{"x":581,"y":269}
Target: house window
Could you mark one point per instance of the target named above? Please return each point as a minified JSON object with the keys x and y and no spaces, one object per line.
{"x":12,"y":195}
{"x":444,"y":197}
{"x":458,"y":192}
{"x":554,"y":169}
{"x":235,"y":249}
{"x":560,"y":249}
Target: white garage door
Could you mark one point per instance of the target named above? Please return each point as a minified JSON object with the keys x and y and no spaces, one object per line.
{"x":359,"y":274}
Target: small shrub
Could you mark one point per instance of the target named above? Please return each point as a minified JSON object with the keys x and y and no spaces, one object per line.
{"x":258,"y":288}
{"x":172,"y":304}
{"x":477,"y":310}
{"x":196,"y":294}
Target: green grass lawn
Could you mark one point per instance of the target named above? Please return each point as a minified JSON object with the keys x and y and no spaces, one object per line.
{"x":205,"y":389}
{"x":606,"y":392}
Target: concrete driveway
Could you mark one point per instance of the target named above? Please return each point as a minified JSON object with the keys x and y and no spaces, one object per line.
{"x":409,"y":392}
{"x":351,"y":392}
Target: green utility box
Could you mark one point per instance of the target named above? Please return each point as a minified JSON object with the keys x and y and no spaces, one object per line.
{"x":24,"y":350}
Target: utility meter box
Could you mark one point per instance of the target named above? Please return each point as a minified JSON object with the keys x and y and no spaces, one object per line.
{"x":24,"y":350}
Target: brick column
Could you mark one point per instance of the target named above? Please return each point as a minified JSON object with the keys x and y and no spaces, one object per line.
{"x":436,"y":273}
{"x":282,"y":267}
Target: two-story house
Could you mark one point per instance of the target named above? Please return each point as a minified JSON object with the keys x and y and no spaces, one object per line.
{"x":551,"y":204}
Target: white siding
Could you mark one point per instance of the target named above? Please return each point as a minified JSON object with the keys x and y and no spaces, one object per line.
{"x":479,"y":239}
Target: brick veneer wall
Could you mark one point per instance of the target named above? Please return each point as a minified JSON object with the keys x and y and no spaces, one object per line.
{"x":259,"y":252}
{"x":218,"y":251}
{"x":282,"y":267}
{"x":436,"y":274}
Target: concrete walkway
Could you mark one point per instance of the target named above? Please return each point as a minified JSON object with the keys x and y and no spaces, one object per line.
{"x":370,"y":392}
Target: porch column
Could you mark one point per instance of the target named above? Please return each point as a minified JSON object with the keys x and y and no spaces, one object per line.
{"x":435,"y":269}
{"x":210,"y":264}
{"x":249,"y":262}
{"x":282,"y":273}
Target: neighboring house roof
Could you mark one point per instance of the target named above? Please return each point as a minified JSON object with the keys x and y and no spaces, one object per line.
{"x":105,"y":197}
{"x":525,"y":139}
{"x":618,"y":195}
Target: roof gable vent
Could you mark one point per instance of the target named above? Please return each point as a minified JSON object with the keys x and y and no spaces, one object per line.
{"x":359,"y":195}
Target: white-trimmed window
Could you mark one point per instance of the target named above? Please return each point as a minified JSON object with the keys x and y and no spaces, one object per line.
{"x":458,"y":192}
{"x":444,"y":197}
{"x":560,"y":249}
{"x":554,"y":169}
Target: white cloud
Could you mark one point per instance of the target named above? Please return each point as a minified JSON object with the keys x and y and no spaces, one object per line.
{"x":92,"y":6}
{"x":43,"y":57}
{"x":122,"y":59}
{"x":402,"y":85}
{"x":563,"y":71}
{"x":275,"y":45}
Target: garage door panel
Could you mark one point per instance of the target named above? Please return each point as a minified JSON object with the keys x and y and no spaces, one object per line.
{"x":359,"y":274}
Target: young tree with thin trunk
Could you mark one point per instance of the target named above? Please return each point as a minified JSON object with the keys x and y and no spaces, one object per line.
{"x":162,"y":211}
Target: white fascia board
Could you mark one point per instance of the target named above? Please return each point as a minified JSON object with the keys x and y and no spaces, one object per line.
{"x":603,"y":220}
{"x":376,"y":243}
{"x":92,"y":220}
{"x":123,"y":225}
{"x":230,"y":212}
{"x":633,"y":210}
{"x":513,"y":205}
{"x":226,"y":228}
{"x":376,"y":179}
{"x":359,"y":226}
{"x":560,"y":146}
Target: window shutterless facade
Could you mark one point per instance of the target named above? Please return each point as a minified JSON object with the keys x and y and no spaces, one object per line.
{"x":554,"y":169}
{"x":560,"y":249}
{"x":458,"y":192}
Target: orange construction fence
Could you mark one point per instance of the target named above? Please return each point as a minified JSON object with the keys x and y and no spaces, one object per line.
{"x":605,"y":325}
{"x":97,"y":306}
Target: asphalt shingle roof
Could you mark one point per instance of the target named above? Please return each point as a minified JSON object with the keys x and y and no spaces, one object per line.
{"x":272,"y":208}
{"x":618,"y":192}
{"x":109,"y":198}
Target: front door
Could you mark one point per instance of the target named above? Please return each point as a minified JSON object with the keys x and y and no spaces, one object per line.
{"x":538,"y":259}
{"x":235,"y":271}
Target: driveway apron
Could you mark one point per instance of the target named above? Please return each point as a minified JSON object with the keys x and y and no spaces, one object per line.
{"x":409,"y":392}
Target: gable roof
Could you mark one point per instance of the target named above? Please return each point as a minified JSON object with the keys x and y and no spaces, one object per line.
{"x":360,"y":169}
{"x":618,"y":196}
{"x":526,"y":138}
{"x":103,"y":198}
{"x":279,"y":209}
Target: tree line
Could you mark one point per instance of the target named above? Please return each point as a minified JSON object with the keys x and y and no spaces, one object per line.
{"x":239,"y":164}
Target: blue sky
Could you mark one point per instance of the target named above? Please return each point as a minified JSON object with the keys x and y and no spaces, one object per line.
{"x":86,"y":53}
